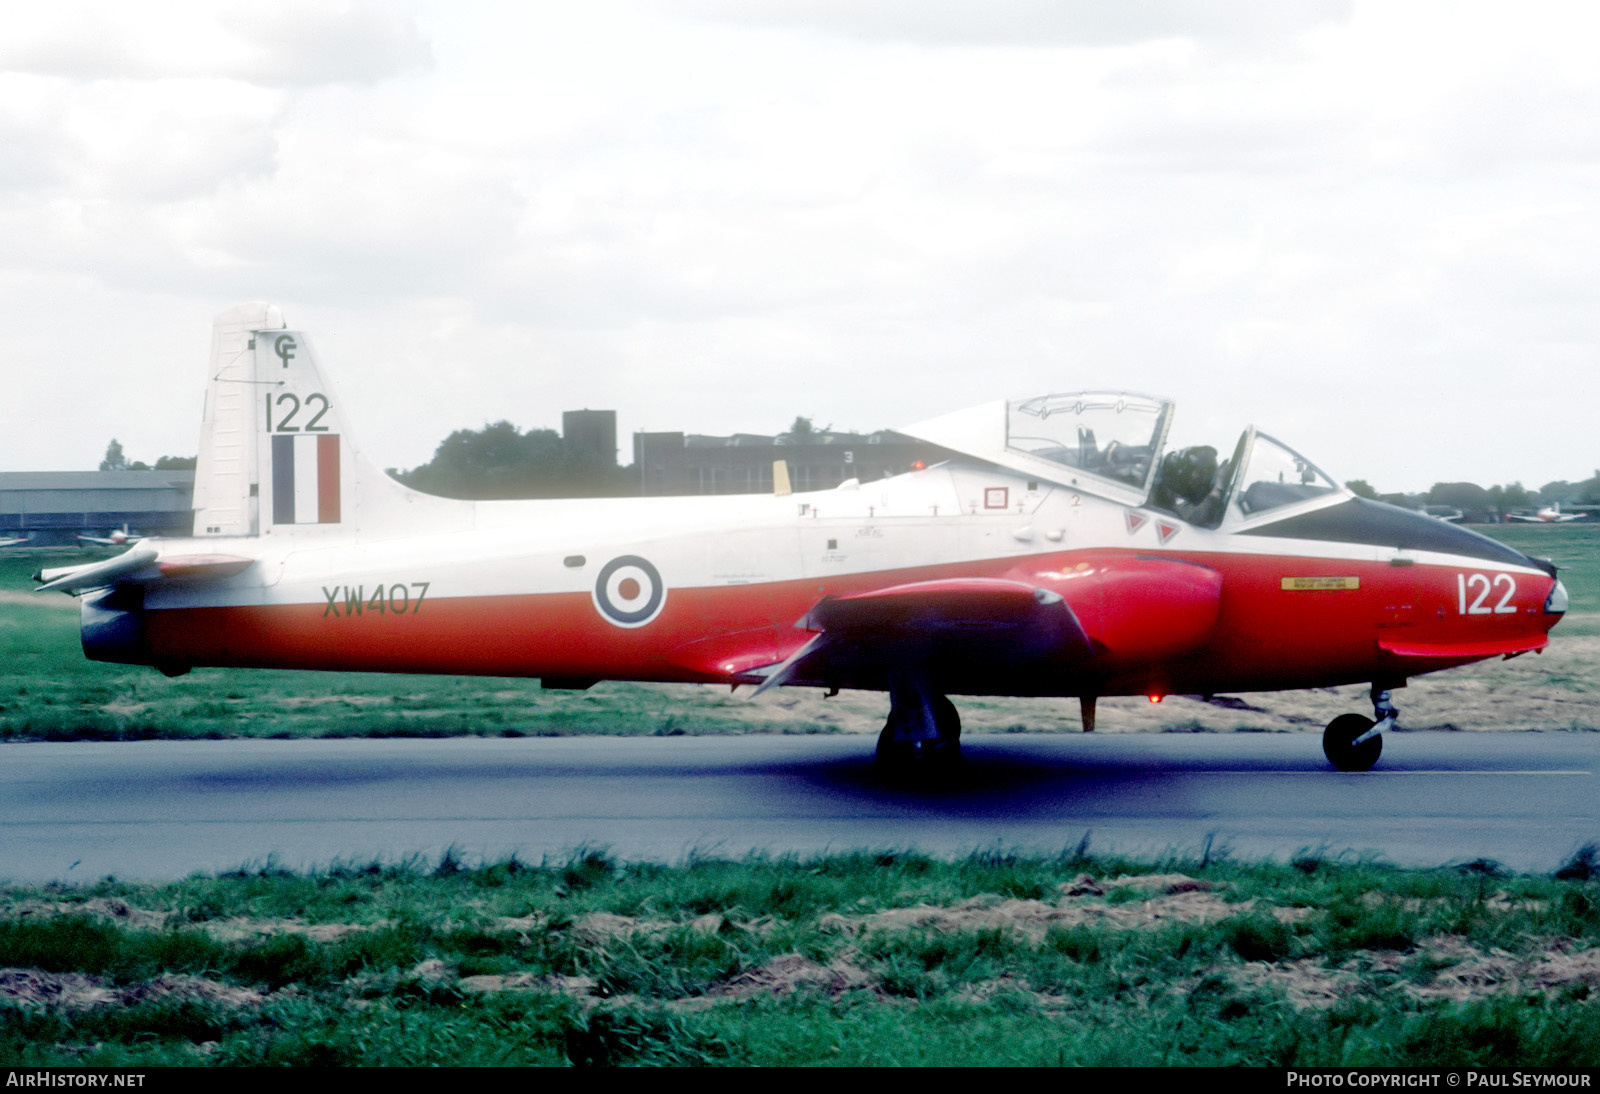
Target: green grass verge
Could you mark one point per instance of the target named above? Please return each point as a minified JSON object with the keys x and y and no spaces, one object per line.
{"x":855,"y":959}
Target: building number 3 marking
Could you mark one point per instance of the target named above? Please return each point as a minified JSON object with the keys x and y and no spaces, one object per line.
{"x":1467,"y":583}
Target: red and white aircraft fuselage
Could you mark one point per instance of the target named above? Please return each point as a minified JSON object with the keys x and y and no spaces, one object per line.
{"x":1063,"y":554}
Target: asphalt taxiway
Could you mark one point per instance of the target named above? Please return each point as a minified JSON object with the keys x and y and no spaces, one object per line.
{"x":160,"y":810}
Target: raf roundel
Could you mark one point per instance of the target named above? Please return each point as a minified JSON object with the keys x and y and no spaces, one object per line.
{"x":629,"y":591}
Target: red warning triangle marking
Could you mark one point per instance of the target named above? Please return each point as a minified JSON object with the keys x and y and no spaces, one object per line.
{"x":1136,"y":521}
{"x":1166,"y":531}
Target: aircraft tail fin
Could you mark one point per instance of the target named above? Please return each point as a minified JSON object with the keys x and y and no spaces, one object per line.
{"x":277,"y":455}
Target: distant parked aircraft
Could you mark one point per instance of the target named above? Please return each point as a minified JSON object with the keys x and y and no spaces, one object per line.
{"x":119,"y":538}
{"x":1550,"y":514}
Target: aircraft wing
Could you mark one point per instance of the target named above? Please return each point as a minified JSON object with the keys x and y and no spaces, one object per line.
{"x":1116,"y":610}
{"x":956,"y":621}
{"x":951,"y":606}
{"x":139,"y":565}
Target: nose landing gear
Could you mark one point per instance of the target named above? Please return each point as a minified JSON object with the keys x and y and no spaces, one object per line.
{"x":1353,"y":742}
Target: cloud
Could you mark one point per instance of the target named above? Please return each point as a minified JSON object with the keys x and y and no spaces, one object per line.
{"x":310,"y":42}
{"x":274,"y":43}
{"x":1318,"y":216}
{"x":1030,"y":22}
{"x":30,"y":126}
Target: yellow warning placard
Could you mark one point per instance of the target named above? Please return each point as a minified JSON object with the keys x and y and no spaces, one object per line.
{"x":1318,"y":584}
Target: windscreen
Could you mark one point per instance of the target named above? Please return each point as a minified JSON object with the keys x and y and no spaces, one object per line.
{"x":1275,"y":475}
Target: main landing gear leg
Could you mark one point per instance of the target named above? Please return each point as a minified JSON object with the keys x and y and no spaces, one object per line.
{"x":923,"y":733}
{"x":1353,"y":742}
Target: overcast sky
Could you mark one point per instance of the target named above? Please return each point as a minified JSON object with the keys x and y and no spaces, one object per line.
{"x":1368,"y":228}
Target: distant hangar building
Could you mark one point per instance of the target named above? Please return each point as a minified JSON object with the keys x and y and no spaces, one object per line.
{"x":53,"y":508}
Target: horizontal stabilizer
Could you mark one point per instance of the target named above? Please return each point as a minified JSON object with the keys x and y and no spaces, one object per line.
{"x":96,"y":575}
{"x":141,"y":564}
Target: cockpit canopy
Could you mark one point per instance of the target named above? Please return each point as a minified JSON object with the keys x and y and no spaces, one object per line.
{"x":1112,"y":443}
{"x":1111,"y":435}
{"x":1263,"y":475}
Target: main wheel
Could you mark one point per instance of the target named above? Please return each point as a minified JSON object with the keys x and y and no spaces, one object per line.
{"x":899,"y":757}
{"x":1338,"y":743}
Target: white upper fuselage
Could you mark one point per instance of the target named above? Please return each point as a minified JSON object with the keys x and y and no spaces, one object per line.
{"x":923,"y":518}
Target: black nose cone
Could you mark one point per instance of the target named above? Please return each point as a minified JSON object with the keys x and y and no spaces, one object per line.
{"x":1380,"y":525}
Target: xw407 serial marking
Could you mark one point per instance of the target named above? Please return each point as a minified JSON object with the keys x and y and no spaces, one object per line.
{"x":346,"y":601}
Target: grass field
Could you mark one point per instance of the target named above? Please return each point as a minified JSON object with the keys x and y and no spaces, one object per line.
{"x":48,"y":691}
{"x":855,"y":959}
{"x":1574,"y":547}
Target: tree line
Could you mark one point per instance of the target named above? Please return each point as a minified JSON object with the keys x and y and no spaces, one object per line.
{"x":501,"y":461}
{"x":496,"y":462}
{"x":116,"y":460}
{"x":1482,"y":504}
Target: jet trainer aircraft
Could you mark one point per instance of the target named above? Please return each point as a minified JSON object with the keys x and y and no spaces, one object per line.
{"x":1063,"y":553}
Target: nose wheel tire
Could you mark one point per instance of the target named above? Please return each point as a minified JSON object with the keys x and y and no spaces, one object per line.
{"x":1338,"y":743}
